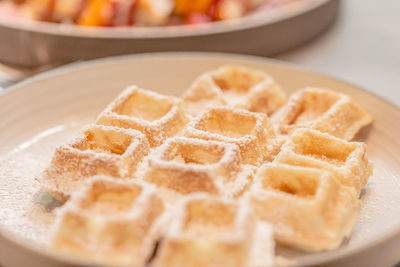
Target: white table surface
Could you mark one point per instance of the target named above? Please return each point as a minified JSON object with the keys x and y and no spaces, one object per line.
{"x":362,"y":47}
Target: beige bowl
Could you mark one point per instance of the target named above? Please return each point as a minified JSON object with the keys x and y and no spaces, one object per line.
{"x":52,"y":106}
{"x":30,"y":44}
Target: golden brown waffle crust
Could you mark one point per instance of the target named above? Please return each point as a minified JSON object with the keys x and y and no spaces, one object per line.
{"x":348,"y":160}
{"x":226,"y":175}
{"x":258,"y":144}
{"x":80,"y":230}
{"x":258,"y":92}
{"x":340,"y":115}
{"x":156,"y":130}
{"x":313,"y":216}
{"x":246,"y":241}
{"x":71,"y":164}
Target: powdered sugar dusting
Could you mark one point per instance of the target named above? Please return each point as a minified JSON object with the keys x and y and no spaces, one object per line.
{"x":21,"y":214}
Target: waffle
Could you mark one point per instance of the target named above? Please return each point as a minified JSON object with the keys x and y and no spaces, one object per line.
{"x":153,"y":114}
{"x":110,"y":222}
{"x":234,"y":86}
{"x":252,"y":132}
{"x":97,"y":150}
{"x":322,"y":110}
{"x":188,"y":165}
{"x":311,"y":148}
{"x":210,"y":231}
{"x":308,"y":208}
{"x":213,"y":176}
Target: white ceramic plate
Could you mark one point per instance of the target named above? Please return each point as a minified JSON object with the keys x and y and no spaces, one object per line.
{"x":39,"y":114}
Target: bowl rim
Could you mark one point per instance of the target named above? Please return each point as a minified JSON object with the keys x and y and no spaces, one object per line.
{"x":312,"y":259}
{"x":158,"y":32}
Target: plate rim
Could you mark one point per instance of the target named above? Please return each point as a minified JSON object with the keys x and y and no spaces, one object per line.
{"x":76,"y":66}
{"x":156,"y":32}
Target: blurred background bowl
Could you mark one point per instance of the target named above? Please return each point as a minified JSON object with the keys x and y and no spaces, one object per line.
{"x":32,"y":44}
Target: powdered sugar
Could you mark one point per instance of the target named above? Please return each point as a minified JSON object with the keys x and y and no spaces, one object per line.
{"x":21,"y":213}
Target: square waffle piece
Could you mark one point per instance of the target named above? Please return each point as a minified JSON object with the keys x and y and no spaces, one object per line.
{"x":252,"y":132}
{"x":311,"y":148}
{"x":308,"y":208}
{"x":188,"y":165}
{"x":97,"y":150}
{"x":153,"y":114}
{"x":322,"y":110}
{"x":235,"y":86}
{"x":108,"y":221}
{"x":211,"y":231}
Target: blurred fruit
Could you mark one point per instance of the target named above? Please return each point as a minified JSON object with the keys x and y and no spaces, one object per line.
{"x":230,"y":9}
{"x":197,"y":18}
{"x":67,"y":10}
{"x":96,"y":13}
{"x":187,"y":7}
{"x":138,"y":12}
{"x":40,"y":9}
{"x":153,"y":12}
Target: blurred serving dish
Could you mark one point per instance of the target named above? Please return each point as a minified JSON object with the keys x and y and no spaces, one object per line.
{"x":250,"y":27}
{"x":113,"y":13}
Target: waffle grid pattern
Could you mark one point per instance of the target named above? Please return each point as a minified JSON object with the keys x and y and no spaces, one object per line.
{"x":213,"y":178}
